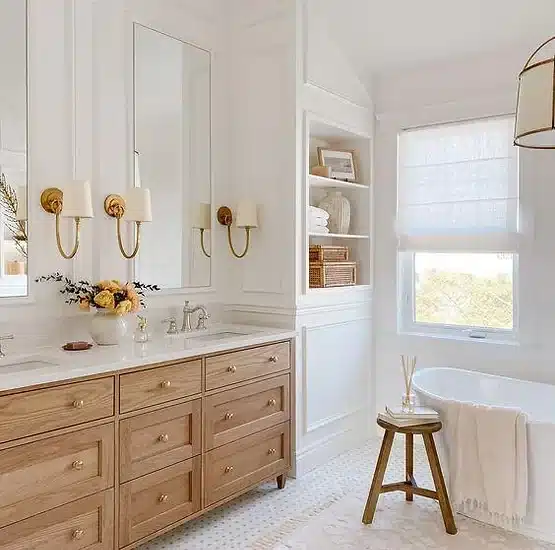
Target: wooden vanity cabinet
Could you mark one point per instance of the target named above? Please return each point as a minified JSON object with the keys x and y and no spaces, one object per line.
{"x":109,"y":462}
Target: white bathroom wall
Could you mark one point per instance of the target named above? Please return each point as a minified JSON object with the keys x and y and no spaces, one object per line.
{"x":458,"y":89}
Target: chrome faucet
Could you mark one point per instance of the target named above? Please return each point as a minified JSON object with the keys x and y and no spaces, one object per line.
{"x":2,"y":338}
{"x":188,"y":311}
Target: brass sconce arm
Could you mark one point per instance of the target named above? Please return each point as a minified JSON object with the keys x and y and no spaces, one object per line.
{"x":225,"y":217}
{"x":114,"y":206}
{"x":202,"y":230}
{"x":52,"y":201}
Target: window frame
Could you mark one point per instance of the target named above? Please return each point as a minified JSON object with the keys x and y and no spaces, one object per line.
{"x":407,"y":305}
{"x":406,"y":299}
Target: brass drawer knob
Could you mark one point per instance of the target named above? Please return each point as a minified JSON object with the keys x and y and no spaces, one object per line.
{"x":228,"y":469}
{"x":274,"y":358}
{"x":232,"y":369}
{"x":165,"y":384}
{"x":272,"y":403}
{"x":78,"y":465}
{"x":162,"y":498}
{"x":272,"y":451}
{"x":77,"y":534}
{"x":228,"y":416}
{"x":78,"y":404}
{"x":163,"y":438}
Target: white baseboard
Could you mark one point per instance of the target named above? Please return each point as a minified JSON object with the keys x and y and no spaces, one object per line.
{"x":327,"y":448}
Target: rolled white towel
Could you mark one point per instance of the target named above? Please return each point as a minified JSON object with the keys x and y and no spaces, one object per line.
{"x":318,"y":222}
{"x":316,"y":212}
{"x":318,"y":229}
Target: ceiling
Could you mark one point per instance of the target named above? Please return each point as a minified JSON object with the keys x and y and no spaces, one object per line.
{"x":378,"y":35}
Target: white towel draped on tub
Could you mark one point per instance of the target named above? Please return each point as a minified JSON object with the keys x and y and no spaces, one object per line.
{"x":488,"y":468}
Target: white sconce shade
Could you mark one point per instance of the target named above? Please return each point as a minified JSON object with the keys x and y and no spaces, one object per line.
{"x":138,"y":207}
{"x":21,"y":214}
{"x":77,"y":200}
{"x":202,"y":216}
{"x":535,"y":113}
{"x":247,"y":214}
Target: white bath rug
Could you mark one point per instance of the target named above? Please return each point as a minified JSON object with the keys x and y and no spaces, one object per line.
{"x":398,"y":525}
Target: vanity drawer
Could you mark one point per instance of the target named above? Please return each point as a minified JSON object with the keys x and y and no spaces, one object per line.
{"x":42,"y":475}
{"x":233,"y":414}
{"x":155,"y":440}
{"x":238,"y":465}
{"x":159,"y":385}
{"x":157,"y":500}
{"x":86,"y":523}
{"x":237,"y":366}
{"x":36,"y":411}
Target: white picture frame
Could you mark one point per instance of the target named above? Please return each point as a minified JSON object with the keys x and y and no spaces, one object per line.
{"x":341,"y":161}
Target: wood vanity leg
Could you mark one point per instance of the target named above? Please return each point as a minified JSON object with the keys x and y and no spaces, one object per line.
{"x":409,"y":464}
{"x":281,"y":480}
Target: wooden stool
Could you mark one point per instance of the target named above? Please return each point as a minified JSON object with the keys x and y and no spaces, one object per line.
{"x":409,"y":487}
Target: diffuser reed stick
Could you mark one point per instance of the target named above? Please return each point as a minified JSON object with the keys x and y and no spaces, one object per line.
{"x":409,"y":365}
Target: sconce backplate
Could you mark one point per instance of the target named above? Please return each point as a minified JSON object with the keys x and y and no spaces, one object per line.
{"x":224,"y":215}
{"x":114,"y":206}
{"x":51,"y":199}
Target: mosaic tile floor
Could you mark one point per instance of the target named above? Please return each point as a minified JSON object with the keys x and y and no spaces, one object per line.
{"x":322,"y":511}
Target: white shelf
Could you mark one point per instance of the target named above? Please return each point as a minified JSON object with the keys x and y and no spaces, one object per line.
{"x":320,"y":181}
{"x":338,"y":236}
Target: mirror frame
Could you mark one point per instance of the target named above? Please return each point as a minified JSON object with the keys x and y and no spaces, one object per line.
{"x":29,"y":296}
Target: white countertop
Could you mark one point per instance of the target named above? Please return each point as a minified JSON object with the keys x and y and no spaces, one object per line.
{"x":17,"y":372}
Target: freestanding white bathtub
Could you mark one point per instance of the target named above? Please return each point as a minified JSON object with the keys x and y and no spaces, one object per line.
{"x":434,"y":386}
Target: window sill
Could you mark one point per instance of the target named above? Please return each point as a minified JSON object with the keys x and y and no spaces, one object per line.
{"x":492,"y":339}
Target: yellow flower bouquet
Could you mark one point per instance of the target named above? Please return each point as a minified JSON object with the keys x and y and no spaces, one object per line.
{"x":110,"y":295}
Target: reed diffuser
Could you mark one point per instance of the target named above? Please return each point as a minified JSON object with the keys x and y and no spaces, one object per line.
{"x":408,"y":362}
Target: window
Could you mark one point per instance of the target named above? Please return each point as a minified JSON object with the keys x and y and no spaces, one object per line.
{"x":457,"y":225}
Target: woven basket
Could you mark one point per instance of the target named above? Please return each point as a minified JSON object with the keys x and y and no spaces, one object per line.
{"x":328,"y":253}
{"x":332,"y":274}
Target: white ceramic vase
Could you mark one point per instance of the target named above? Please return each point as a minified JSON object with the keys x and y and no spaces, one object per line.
{"x":339,"y":209}
{"x":107,"y":328}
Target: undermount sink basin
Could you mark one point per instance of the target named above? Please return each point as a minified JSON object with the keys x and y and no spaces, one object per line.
{"x":24,"y":364}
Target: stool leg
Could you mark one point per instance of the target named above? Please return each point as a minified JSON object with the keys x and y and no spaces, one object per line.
{"x":439,"y":482}
{"x":377,"y":480}
{"x":409,"y":464}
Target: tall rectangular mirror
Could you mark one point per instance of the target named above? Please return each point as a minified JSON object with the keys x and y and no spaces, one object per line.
{"x":173,"y":158}
{"x":13,"y":148}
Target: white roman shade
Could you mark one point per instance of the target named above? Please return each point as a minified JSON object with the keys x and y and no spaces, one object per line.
{"x":458,"y":187}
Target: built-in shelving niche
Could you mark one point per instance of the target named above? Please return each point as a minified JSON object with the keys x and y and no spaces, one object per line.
{"x":325,"y":134}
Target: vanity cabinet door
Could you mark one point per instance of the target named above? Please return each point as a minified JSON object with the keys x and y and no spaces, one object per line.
{"x":41,"y":475}
{"x":159,"y":385}
{"x":157,"y":500}
{"x":84,"y":524}
{"x":236,"y":413}
{"x":37,"y":411}
{"x":239,"y":465}
{"x":238,"y":366}
{"x":152,"y":441}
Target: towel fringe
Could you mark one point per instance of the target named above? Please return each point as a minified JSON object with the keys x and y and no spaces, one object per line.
{"x":472,"y":507}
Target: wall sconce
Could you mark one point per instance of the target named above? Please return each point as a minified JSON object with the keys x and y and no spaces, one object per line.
{"x":136,"y":207}
{"x":74,"y":202}
{"x":247,"y":218}
{"x":203,"y":221}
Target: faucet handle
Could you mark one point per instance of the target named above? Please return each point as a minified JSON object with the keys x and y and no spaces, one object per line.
{"x":2,"y":338}
{"x":172,"y":328}
{"x":202,"y":317}
{"x":186,"y":305}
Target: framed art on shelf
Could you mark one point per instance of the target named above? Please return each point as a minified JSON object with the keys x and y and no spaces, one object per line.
{"x":340,"y":161}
